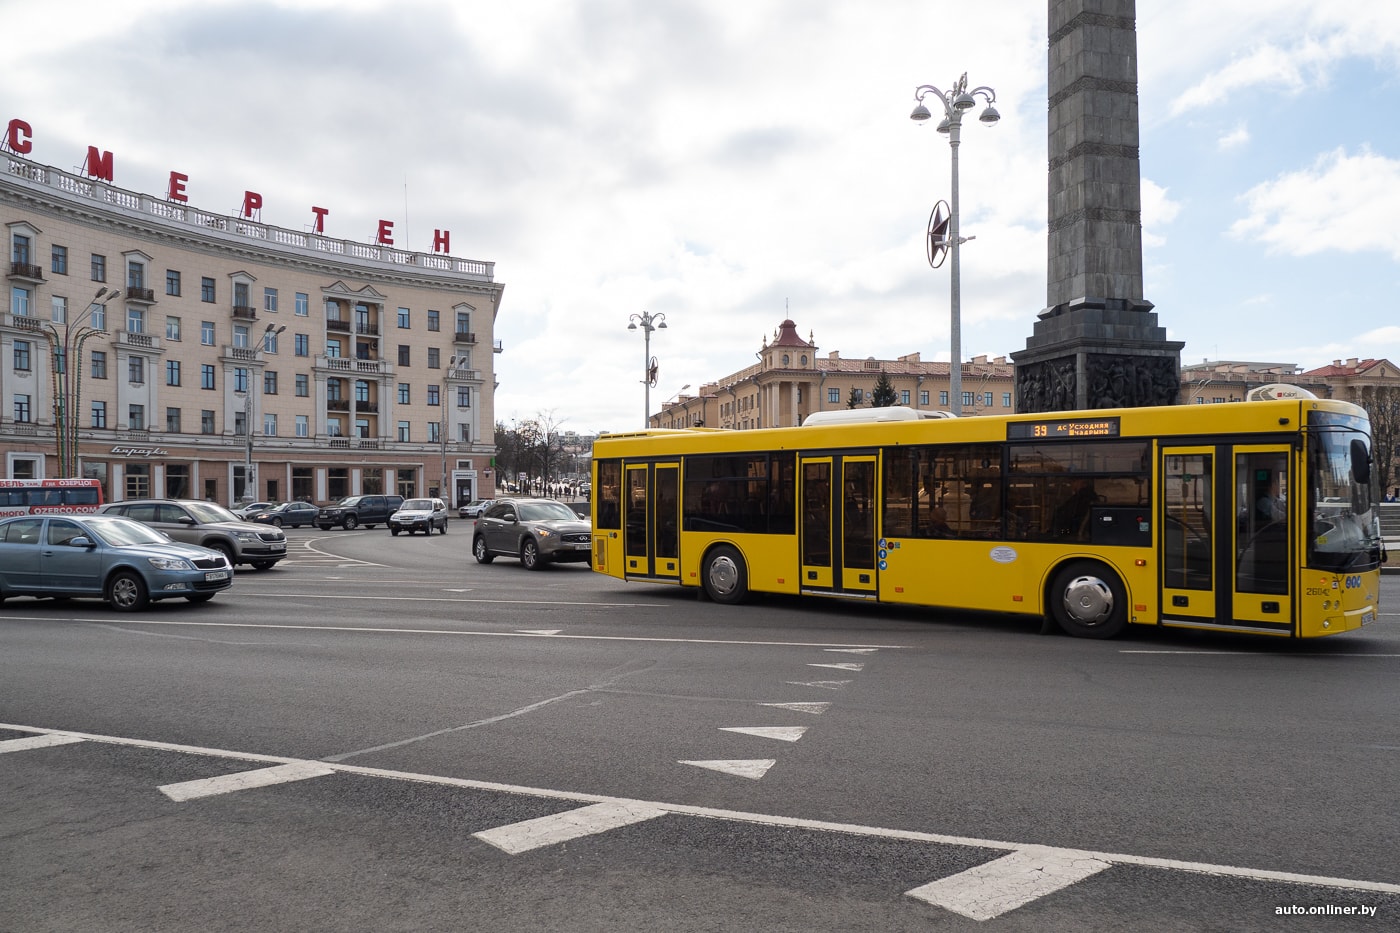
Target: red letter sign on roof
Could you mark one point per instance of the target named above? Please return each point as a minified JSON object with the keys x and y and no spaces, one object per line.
{"x":252,"y":203}
{"x":441,"y":241}
{"x":176,"y":191}
{"x":386,"y":233}
{"x":320,"y":224}
{"x":98,"y":165}
{"x":19,"y":136}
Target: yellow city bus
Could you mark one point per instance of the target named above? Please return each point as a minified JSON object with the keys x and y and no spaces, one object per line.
{"x":1250,"y":517}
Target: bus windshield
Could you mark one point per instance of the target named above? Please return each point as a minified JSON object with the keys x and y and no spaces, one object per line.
{"x":1343,"y":528}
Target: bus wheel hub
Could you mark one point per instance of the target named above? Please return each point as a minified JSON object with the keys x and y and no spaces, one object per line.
{"x":1088,"y":600}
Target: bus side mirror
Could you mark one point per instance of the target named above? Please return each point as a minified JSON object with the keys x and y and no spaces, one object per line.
{"x":1360,"y":462}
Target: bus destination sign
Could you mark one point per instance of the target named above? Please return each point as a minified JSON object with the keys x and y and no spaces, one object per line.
{"x":1061,"y":428}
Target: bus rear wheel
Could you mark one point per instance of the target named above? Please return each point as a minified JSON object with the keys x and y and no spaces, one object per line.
{"x":1088,"y":600}
{"x":724,"y":576}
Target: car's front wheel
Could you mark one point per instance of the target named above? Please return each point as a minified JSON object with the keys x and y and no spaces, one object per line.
{"x":530,"y":555}
{"x":442,"y":529}
{"x":395,"y":531}
{"x":483,"y":556}
{"x":264,"y":564}
{"x":277,"y":522}
{"x":349,"y":523}
{"x":126,"y":591}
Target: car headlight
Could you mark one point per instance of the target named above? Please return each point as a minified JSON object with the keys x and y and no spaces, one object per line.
{"x":250,"y":537}
{"x":170,"y":563}
{"x":543,"y":532}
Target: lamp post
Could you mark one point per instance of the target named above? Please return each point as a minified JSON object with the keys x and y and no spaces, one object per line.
{"x":250,"y":486}
{"x":68,"y":378}
{"x":445,"y":424}
{"x":955,"y":103}
{"x":649,"y":322}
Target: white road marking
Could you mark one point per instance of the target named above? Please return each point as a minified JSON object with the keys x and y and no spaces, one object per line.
{"x":36,"y":741}
{"x":853,"y":650}
{"x":1257,"y":654}
{"x":1011,"y":881}
{"x":781,"y":733}
{"x":843,"y":666}
{"x":741,"y":816}
{"x":751,"y":768}
{"x":244,"y":780}
{"x":541,"y":631}
{"x":816,"y":709}
{"x":561,"y":827}
{"x":823,"y":684}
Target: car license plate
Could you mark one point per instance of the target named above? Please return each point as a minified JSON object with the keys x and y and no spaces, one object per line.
{"x":214,"y":576}
{"x":1368,"y":617}
{"x":279,"y":546}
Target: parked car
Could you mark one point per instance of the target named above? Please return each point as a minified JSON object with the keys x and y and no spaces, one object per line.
{"x":104,"y":557}
{"x":538,"y":531}
{"x":208,"y":525}
{"x":419,"y":515}
{"x":473,"y":509}
{"x":245,"y":512}
{"x":294,"y":514}
{"x":354,"y":511}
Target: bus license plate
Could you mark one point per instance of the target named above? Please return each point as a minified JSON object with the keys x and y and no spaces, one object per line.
{"x":215,"y":575}
{"x":1368,"y":617}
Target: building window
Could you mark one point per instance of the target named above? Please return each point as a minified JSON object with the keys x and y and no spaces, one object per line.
{"x":172,"y":328}
{"x":362,"y":427}
{"x":240,"y":336}
{"x":172,"y":420}
{"x":99,"y":268}
{"x":464,"y":322}
{"x":433,"y":395}
{"x":403,"y":318}
{"x":269,"y":424}
{"x":136,"y":320}
{"x":240,"y":295}
{"x":464,"y":396}
{"x":464,"y":433}
{"x":1006,"y":400}
{"x":172,"y":282}
{"x":270,"y":382}
{"x":269,"y":299}
{"x":969,"y":399}
{"x":22,"y":348}
{"x":303,"y":386}
{"x":136,"y":417}
{"x":332,"y":390}
{"x":58,"y":309}
{"x":270,"y":341}
{"x":435,"y":431}
{"x":22,"y":409}
{"x":904,"y":396}
{"x":240,"y":379}
{"x":19,"y":249}
{"x":403,"y":355}
{"x":302,"y":343}
{"x":833,"y":396}
{"x":434,"y":358}
{"x":58,"y":260}
{"x":303,"y":304}
{"x":99,"y":414}
{"x":206,"y":333}
{"x":303,"y":426}
{"x":361,"y":390}
{"x":172,"y":372}
{"x":433,"y":321}
{"x":943,"y":398}
{"x":19,"y":301}
{"x":136,"y":370}
{"x":403,"y":393}
{"x":135,"y":274}
{"x":99,"y":317}
{"x":206,"y":289}
{"x":206,"y":421}
{"x":403,"y":431}
{"x":99,"y":364}
{"x":206,"y":375}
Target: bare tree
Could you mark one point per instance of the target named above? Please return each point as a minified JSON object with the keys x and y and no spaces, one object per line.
{"x":1382,"y":404}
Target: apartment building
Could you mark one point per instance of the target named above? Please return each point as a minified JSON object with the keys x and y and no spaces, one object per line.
{"x":171,"y":351}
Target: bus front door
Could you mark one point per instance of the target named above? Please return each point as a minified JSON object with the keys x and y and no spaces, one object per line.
{"x":651,"y":521}
{"x":1188,"y":548}
{"x":837,"y":532}
{"x":1263,"y":555}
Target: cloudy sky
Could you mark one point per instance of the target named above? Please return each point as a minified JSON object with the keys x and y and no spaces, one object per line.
{"x":730,"y":163}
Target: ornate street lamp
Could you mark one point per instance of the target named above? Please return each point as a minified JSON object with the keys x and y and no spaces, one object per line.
{"x":955,"y":103}
{"x":649,"y":322}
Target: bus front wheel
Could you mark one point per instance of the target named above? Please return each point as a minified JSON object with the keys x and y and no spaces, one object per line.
{"x":1088,"y":600}
{"x":725,"y":578}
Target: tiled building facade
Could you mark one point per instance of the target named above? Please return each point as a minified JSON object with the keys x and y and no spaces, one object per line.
{"x":358,"y":367}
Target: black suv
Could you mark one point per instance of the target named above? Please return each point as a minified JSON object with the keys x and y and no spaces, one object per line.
{"x":358,"y":510}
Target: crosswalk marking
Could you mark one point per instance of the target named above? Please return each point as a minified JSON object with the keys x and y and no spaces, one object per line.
{"x":244,"y":780}
{"x":561,"y":827}
{"x":36,"y":741}
{"x":992,"y":889}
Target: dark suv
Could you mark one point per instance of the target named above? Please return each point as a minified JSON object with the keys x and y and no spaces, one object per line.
{"x":359,"y":510}
{"x":538,"y":531}
{"x":208,"y":525}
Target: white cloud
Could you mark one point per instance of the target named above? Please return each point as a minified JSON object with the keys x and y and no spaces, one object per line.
{"x":1234,"y":139}
{"x":1344,"y":203}
{"x":1158,"y":210}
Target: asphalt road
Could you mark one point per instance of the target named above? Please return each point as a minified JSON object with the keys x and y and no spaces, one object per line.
{"x":381,"y":734}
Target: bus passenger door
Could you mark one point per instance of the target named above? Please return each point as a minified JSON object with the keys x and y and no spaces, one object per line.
{"x":1263,"y":553}
{"x":815,"y":532}
{"x":651,"y":520}
{"x":1188,"y":565}
{"x":857,"y":532}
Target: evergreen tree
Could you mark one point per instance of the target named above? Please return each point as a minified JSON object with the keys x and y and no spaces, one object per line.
{"x":883,"y":396}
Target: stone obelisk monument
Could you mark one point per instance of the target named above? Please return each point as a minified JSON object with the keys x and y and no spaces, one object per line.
{"x":1097,"y":343}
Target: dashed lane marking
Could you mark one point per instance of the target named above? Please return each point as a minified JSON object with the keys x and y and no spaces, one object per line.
{"x":1040,"y":853}
{"x":244,"y":780}
{"x":781,"y":733}
{"x":751,"y":768}
{"x":843,"y":666}
{"x":853,"y":650}
{"x":993,"y":888}
{"x":816,"y":709}
{"x":571,"y":824}
{"x":823,"y":684}
{"x":36,"y":741}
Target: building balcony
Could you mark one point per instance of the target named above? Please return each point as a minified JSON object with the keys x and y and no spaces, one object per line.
{"x":141,"y":296}
{"x":342,"y":365}
{"x":366,"y":408}
{"x":133,"y":341}
{"x":241,"y":354}
{"x":245,"y":313}
{"x":337,"y":325}
{"x":26,"y":272}
{"x":338,"y":404}
{"x":21,"y":322}
{"x":367,"y":330}
{"x":464,"y":336}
